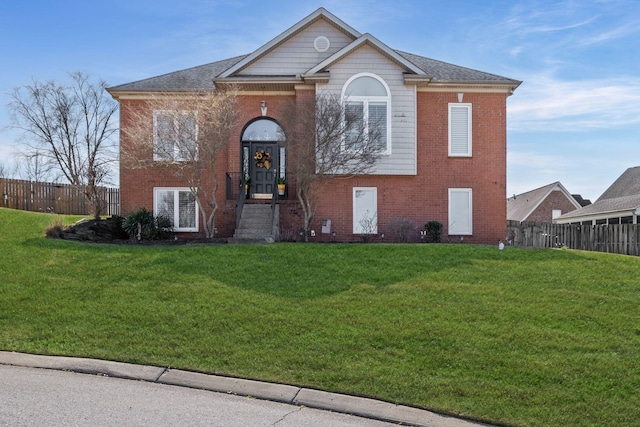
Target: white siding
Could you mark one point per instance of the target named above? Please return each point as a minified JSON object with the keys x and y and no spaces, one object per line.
{"x":297,"y":55}
{"x":402,"y":160}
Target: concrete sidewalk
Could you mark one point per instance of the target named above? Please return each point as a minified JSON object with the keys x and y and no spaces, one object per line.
{"x":363,"y":407}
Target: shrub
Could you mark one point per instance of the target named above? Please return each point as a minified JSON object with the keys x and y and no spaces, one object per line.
{"x":368,"y":225}
{"x":143,"y":225}
{"x":55,"y":229}
{"x":433,"y":231}
{"x":402,"y":230}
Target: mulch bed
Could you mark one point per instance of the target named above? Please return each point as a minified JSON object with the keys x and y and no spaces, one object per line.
{"x":109,"y":230}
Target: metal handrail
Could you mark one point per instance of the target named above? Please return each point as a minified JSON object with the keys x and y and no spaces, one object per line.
{"x":274,"y":196}
{"x":242,"y":196}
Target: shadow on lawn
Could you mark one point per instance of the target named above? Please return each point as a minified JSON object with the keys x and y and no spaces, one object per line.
{"x":289,"y":270}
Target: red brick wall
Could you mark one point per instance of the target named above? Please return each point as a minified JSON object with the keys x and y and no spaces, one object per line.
{"x":424,"y":197}
{"x":555,"y":200}
{"x":420,"y":198}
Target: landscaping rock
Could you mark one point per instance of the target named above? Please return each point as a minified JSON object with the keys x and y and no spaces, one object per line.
{"x":96,"y":230}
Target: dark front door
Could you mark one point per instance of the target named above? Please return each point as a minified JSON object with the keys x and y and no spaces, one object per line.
{"x":262,"y":156}
{"x":263,"y":167}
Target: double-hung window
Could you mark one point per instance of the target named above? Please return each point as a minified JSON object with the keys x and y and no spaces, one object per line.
{"x":367,"y":105}
{"x":175,"y":133}
{"x":177,"y":204}
{"x":460,"y":130}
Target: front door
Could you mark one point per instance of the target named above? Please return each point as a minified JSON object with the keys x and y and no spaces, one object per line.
{"x":263,"y":156}
{"x":263,"y":168}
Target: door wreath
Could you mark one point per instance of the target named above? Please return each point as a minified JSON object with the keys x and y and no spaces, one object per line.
{"x":263,"y":159}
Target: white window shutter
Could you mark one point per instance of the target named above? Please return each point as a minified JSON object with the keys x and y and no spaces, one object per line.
{"x":460,"y":211}
{"x":365,"y":210}
{"x":460,"y":129}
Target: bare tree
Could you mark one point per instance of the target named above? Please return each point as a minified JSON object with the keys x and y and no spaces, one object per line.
{"x":33,"y":165}
{"x":70,"y":126}
{"x":8,"y":171}
{"x":328,"y":140}
{"x":184,"y":135}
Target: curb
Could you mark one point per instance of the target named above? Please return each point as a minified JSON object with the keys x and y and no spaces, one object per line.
{"x":360,"y":406}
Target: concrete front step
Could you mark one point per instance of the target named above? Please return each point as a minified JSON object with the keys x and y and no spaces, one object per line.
{"x":256,"y":225}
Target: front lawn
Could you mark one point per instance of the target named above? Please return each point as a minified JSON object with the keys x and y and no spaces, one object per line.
{"x":520,"y":337}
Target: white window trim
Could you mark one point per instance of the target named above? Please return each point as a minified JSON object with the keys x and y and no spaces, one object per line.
{"x":469,"y":151}
{"x":357,"y":226}
{"x":176,"y":213}
{"x":365,"y":104}
{"x":460,"y":229}
{"x":176,"y":157}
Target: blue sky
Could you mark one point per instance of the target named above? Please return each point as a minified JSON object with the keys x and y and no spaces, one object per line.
{"x":575,"y":119}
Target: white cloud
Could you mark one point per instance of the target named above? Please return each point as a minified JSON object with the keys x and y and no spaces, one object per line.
{"x":621,"y":30}
{"x":544,"y":102}
{"x":527,"y":170}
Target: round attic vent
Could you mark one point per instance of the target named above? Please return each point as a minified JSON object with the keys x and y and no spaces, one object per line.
{"x":321,"y":43}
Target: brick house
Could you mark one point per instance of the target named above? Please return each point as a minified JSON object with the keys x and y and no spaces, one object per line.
{"x":443,"y":155}
{"x":544,"y":204}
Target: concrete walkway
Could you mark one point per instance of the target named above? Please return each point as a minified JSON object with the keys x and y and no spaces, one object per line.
{"x":300,"y":397}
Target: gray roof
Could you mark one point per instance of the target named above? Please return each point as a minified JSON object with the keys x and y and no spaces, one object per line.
{"x":201,"y":77}
{"x":520,"y":206}
{"x":628,"y":184}
{"x":191,"y":79}
{"x":607,"y":206}
{"x":444,"y":72}
{"x":622,"y":196}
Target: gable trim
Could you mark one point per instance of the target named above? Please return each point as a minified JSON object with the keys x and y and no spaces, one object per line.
{"x":319,"y":13}
{"x":366,"y":39}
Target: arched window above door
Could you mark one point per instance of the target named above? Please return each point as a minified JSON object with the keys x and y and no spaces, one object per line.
{"x":263,"y":130}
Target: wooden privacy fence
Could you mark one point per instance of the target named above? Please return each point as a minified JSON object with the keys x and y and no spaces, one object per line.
{"x":614,"y":238}
{"x":55,"y":198}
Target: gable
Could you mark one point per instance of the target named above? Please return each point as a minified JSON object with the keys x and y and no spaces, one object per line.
{"x":521,"y":207}
{"x":301,"y":51}
{"x":627,"y":184}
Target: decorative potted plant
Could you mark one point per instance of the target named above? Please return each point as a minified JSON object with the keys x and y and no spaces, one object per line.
{"x":247,"y":183}
{"x":281,"y":185}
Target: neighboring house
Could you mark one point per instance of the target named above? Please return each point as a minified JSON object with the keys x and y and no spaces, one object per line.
{"x":543,"y":204}
{"x":443,"y":155}
{"x":619,"y":204}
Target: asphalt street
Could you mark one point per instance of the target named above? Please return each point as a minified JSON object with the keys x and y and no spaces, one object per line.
{"x":44,"y":397}
{"x":40,"y":390}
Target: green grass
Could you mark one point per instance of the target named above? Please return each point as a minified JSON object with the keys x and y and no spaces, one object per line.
{"x":520,"y":337}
